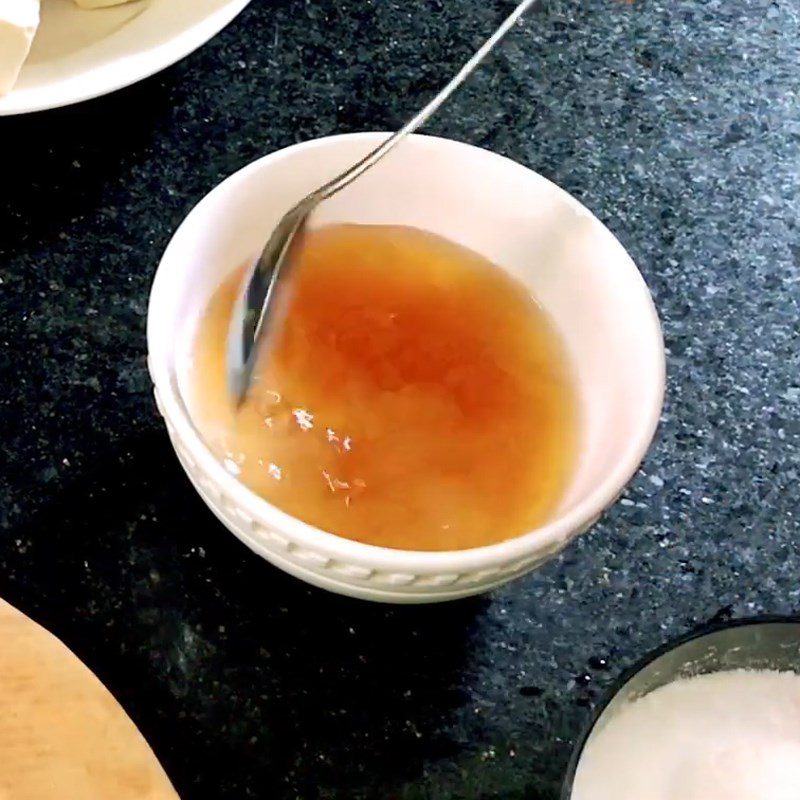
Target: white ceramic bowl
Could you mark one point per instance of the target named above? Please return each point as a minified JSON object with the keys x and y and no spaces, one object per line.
{"x":79,"y":54}
{"x":522,"y":222}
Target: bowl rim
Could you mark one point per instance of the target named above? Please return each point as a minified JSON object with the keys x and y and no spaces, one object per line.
{"x":701,"y":632}
{"x":543,"y":541}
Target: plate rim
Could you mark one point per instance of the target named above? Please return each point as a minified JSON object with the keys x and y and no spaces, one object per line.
{"x":165,"y":55}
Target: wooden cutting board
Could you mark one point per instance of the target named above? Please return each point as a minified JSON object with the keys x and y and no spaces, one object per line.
{"x":62,"y":734}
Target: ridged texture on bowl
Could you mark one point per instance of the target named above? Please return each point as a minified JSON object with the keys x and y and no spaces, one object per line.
{"x":335,"y":574}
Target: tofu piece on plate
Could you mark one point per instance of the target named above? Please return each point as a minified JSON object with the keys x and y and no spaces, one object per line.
{"x":19,"y":20}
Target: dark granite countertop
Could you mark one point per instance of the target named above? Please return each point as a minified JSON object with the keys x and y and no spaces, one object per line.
{"x":676,"y":121}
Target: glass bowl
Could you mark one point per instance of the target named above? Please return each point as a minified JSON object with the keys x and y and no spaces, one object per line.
{"x":759,"y":643}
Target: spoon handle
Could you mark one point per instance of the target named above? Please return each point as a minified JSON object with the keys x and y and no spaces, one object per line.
{"x":359,"y":168}
{"x":253,"y":306}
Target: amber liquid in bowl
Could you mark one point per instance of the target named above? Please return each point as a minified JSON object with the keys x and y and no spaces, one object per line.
{"x":415,"y":397}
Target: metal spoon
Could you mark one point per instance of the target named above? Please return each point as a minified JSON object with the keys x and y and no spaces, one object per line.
{"x":253,"y":312}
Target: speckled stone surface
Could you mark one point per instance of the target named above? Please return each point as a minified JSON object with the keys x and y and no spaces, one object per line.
{"x":676,"y":121}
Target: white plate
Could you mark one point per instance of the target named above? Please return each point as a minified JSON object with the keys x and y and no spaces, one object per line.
{"x":79,"y":54}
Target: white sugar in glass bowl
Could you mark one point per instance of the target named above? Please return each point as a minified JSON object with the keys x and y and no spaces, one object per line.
{"x":573,"y":265}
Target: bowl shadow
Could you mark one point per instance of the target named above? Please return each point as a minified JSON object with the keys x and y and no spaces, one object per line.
{"x":243,"y":679}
